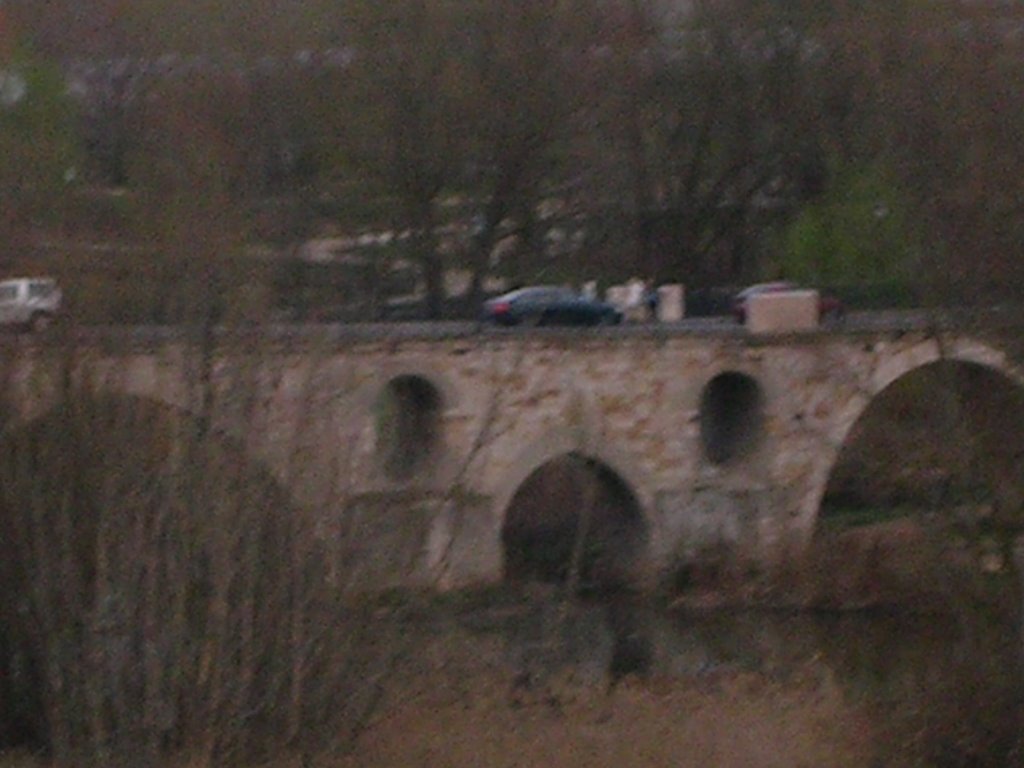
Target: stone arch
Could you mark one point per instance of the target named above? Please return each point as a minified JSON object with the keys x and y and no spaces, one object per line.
{"x":573,"y":512}
{"x":135,"y":427}
{"x":959,"y":351}
{"x":563,"y":440}
{"x":903,"y":360}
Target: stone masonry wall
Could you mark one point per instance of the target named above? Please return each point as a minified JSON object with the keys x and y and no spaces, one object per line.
{"x":637,"y":401}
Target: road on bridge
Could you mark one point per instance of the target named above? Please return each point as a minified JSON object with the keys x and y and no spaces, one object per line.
{"x":875,"y":321}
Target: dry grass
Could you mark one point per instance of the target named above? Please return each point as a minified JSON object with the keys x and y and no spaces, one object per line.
{"x":737,"y":720}
{"x":740,"y":720}
{"x":19,"y":759}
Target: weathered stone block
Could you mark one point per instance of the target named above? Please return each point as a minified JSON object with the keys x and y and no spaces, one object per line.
{"x":783,"y":311}
{"x":617,"y":296}
{"x":671,"y":303}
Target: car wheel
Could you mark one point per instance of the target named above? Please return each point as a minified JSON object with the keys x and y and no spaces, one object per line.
{"x":40,"y":322}
{"x":834,"y":317}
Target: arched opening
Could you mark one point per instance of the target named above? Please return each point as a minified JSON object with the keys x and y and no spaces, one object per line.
{"x":928,"y":491}
{"x":920,"y":516}
{"x":574,"y":521}
{"x":408,"y":420}
{"x":948,"y":435}
{"x":731,"y":417}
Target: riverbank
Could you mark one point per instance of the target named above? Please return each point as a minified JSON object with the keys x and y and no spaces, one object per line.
{"x":894,"y":649}
{"x":535,"y":681}
{"x":728,"y":720}
{"x":735,"y":721}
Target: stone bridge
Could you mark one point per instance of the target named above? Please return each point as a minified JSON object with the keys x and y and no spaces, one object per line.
{"x":420,"y":449}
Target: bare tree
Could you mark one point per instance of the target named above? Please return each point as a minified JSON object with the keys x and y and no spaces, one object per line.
{"x":696,"y":133}
{"x":401,"y":121}
{"x":39,"y":150}
{"x":529,"y":65}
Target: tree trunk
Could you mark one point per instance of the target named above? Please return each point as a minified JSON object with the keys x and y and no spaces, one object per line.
{"x":424,"y":251}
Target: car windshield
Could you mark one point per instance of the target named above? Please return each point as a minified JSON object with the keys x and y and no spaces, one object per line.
{"x":539,"y":293}
{"x":765,"y":288}
{"x":8,"y":291}
{"x":40,"y":289}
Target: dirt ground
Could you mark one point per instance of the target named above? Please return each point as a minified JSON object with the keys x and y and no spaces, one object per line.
{"x":737,"y":720}
{"x":507,"y":682}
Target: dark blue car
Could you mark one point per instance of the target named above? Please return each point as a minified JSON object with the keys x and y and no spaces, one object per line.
{"x":549,"y":305}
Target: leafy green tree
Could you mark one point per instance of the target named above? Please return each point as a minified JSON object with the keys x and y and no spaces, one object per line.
{"x":858,"y":231}
{"x":932,"y":92}
{"x":39,"y":148}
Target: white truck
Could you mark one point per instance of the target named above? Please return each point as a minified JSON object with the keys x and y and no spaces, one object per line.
{"x":30,"y":303}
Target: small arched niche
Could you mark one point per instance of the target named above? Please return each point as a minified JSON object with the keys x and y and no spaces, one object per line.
{"x":408,"y":426}
{"x":574,"y":520}
{"x":731,"y":417}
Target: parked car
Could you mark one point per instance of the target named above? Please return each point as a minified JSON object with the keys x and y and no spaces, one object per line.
{"x":31,"y":303}
{"x":830,"y":308}
{"x":549,"y":305}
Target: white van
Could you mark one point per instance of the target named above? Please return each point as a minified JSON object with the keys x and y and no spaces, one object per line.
{"x":29,"y":302}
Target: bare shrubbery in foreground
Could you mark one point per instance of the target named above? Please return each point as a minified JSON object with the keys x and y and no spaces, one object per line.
{"x":162,"y":598}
